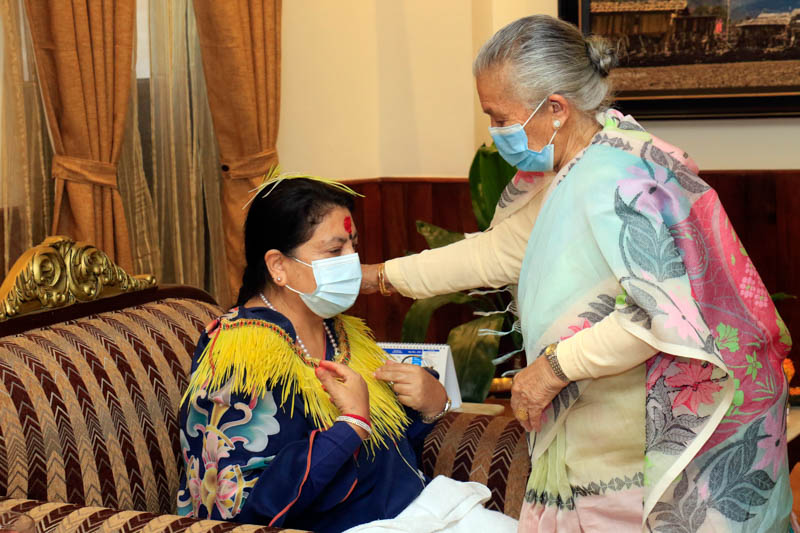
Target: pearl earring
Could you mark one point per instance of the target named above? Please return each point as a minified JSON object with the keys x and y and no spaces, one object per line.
{"x":556,"y":123}
{"x":277,"y":279}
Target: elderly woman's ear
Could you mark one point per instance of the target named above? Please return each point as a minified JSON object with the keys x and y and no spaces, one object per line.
{"x":559,"y":109}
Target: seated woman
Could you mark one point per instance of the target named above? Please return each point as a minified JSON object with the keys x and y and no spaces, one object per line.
{"x":293,"y":417}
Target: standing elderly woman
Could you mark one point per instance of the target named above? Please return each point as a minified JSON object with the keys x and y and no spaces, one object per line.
{"x":654,"y":390}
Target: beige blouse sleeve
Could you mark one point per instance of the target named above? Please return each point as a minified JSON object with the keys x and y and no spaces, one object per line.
{"x":604,"y":349}
{"x":492,"y":258}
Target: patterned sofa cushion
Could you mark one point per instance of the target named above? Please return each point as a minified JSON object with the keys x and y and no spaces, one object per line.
{"x":53,"y":516}
{"x":88,"y":407}
{"x":492,"y":450}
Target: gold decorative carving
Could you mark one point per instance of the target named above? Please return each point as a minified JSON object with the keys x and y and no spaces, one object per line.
{"x":60,"y":272}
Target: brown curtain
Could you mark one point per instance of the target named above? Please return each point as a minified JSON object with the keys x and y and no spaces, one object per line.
{"x":84,"y":55}
{"x":240,"y":42}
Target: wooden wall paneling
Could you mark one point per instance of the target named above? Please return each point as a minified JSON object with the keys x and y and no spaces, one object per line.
{"x":787,"y":239}
{"x":454,"y":207}
{"x":396,"y":244}
{"x":360,"y":307}
{"x":420,"y":207}
{"x":394,"y":213}
{"x":372,"y":236}
{"x":751,"y":203}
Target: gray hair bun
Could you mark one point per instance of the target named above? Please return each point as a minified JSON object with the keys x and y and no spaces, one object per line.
{"x":602,"y":55}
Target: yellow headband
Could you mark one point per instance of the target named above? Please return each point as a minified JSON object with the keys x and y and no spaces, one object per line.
{"x":274,"y":177}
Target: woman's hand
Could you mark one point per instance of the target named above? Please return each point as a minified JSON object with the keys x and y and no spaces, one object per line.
{"x":347,"y":390}
{"x":532,"y":391}
{"x":415,"y":387}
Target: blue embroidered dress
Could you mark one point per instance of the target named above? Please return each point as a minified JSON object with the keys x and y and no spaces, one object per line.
{"x":250,"y":461}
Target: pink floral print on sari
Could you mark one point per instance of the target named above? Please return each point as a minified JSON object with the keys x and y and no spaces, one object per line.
{"x":697,"y":387}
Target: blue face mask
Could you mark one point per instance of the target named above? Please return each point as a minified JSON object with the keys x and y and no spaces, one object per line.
{"x":512,"y":143}
{"x":338,"y":284}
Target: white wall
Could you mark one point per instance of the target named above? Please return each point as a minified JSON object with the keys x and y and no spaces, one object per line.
{"x":329,"y":89}
{"x":731,"y":144}
{"x":424,"y":50}
{"x":374,"y":88}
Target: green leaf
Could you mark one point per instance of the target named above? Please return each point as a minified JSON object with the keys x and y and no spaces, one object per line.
{"x":622,"y":299}
{"x":753,"y":365}
{"x":728,"y":337}
{"x":779,"y":296}
{"x":473,"y":354}
{"x":415,"y":325}
{"x":488,"y":176}
{"x":437,"y":237}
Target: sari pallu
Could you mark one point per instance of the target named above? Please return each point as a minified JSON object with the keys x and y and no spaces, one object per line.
{"x":695,"y":438}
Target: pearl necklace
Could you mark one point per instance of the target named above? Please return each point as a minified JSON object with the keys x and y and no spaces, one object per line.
{"x":297,"y":335}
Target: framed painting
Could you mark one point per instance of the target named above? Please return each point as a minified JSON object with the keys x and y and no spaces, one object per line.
{"x":699,"y":58}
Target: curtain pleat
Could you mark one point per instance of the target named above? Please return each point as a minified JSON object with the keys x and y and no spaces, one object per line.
{"x":25,"y":188}
{"x":84,"y":55}
{"x":136,"y":196}
{"x":240,"y":42}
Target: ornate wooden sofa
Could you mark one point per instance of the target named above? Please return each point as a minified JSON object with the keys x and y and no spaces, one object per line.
{"x":93,"y":362}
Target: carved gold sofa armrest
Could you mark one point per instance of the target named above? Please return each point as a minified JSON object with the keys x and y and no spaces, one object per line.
{"x":60,"y":272}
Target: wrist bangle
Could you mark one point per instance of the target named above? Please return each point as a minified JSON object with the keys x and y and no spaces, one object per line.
{"x":382,"y":280}
{"x":550,"y":353}
{"x":434,"y":418}
{"x":359,"y":417}
{"x":352,"y":420}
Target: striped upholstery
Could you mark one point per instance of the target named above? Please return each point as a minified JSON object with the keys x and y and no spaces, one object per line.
{"x":89,"y":434}
{"x":75,"y":518}
{"x":88,"y":407}
{"x":491,"y":450}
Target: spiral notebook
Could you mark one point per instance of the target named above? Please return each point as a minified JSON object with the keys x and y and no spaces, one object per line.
{"x":437,"y":356}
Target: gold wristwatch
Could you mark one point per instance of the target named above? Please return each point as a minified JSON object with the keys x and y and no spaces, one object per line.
{"x":550,"y":353}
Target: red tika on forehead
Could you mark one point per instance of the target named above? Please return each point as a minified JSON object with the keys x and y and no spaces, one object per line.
{"x":348,"y":225}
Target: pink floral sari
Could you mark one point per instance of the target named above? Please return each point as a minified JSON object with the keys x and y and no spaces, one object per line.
{"x":694,"y":439}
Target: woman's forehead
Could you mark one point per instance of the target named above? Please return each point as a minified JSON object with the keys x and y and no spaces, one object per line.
{"x":337,"y":223}
{"x":495,"y":92}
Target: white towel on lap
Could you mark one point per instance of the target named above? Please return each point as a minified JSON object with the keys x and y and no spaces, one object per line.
{"x":445,"y":505}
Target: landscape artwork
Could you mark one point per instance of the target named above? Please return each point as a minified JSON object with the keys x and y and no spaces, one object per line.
{"x":700,"y":57}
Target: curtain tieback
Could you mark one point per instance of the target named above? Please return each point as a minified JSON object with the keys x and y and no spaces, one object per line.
{"x":250,"y":166}
{"x":85,"y":171}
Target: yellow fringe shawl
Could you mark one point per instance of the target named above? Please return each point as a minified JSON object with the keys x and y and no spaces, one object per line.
{"x":256,"y":355}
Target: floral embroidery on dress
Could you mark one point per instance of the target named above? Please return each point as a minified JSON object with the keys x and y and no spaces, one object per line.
{"x":247,"y":426}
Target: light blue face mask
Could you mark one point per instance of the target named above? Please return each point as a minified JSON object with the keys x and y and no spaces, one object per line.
{"x":512,"y":143}
{"x":338,"y":284}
